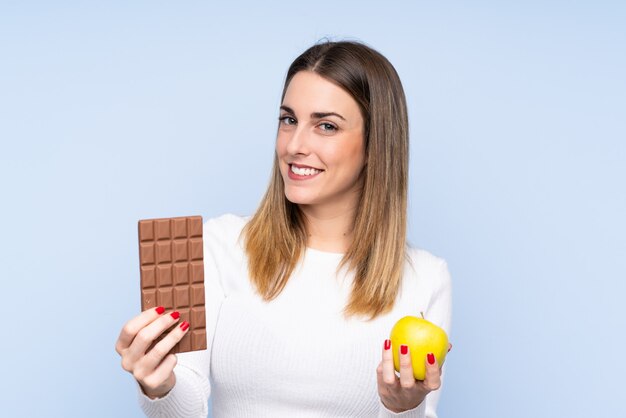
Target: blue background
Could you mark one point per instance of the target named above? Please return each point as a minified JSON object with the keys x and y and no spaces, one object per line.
{"x":115,"y":111}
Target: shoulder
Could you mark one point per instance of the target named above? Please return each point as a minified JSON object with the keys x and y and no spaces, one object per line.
{"x":427,"y":287}
{"x":224,"y":254}
{"x":223,"y":233}
{"x":225,"y":225}
{"x":428,"y":268}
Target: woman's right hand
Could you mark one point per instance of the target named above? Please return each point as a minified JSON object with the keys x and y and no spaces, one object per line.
{"x":154,"y":370}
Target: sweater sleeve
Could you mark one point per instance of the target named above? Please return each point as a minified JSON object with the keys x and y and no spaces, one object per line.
{"x":418,"y":412}
{"x":440,"y":313}
{"x":189,"y":396}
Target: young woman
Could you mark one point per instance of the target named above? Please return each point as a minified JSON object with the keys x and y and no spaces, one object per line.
{"x":301,"y":296}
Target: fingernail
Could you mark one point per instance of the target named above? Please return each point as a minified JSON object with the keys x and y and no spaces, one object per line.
{"x":431,"y":358}
{"x":159,"y":309}
{"x":184,"y":325}
{"x":404,"y":349}
{"x":387,"y":344}
{"x":450,"y":348}
{"x":175,"y":315}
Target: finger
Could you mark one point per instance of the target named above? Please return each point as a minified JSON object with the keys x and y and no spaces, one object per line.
{"x":432,"y":381}
{"x":165,"y":369}
{"x":160,"y":350}
{"x":407,"y":379}
{"x":449,"y":347}
{"x":147,"y":364}
{"x":379,"y":375}
{"x":132,"y":327}
{"x":388,"y":371}
{"x":148,"y":334}
{"x":157,"y":381}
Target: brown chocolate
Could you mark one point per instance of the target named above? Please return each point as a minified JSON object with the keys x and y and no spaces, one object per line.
{"x":172,"y":274}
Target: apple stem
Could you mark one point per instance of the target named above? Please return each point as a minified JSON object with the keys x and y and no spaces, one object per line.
{"x":422,"y":313}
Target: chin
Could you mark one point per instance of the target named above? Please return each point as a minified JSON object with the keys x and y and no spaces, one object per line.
{"x":298,"y":199}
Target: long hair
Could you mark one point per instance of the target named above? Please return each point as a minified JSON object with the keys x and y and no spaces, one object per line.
{"x":275,"y":237}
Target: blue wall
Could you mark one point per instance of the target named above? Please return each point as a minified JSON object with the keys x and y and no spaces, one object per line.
{"x":117,"y":111}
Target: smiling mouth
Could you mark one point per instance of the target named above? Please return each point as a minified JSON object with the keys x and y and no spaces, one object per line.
{"x":304,"y":171}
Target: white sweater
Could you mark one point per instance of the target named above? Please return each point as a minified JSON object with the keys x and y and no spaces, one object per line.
{"x":295,"y":356}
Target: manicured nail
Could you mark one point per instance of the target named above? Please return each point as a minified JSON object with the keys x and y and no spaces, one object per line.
{"x":184,"y":325}
{"x":175,"y":315}
{"x":159,"y":309}
{"x":450,"y":348}
{"x":431,"y":358}
{"x":387,"y":344}
{"x":404,"y":349}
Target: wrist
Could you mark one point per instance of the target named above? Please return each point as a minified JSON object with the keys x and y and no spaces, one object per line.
{"x":403,"y":408}
{"x":160,"y":392}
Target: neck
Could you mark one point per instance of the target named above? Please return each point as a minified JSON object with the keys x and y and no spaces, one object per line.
{"x":329,"y":230}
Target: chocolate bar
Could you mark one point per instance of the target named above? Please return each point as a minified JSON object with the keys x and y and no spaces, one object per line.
{"x":172,"y":274}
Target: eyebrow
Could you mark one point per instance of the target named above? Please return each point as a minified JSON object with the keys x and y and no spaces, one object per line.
{"x":314,"y":115}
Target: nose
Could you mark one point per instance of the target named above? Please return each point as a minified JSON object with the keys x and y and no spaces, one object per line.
{"x":298,"y":142}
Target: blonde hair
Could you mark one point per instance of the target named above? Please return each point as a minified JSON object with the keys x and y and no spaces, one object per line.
{"x":275,"y":237}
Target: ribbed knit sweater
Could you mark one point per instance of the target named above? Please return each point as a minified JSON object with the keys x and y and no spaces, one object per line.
{"x":295,"y":356}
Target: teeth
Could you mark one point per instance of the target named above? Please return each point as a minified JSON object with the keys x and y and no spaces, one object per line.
{"x":304,"y":171}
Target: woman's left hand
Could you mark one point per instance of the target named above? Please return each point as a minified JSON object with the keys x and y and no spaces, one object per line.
{"x":405,"y":393}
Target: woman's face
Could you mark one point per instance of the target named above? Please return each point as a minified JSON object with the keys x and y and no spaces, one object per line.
{"x":320,"y":144}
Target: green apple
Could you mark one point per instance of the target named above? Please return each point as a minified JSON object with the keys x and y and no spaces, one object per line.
{"x":422,"y":337}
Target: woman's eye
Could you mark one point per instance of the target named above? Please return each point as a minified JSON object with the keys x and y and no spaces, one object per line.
{"x":287,"y":120}
{"x":328,"y":127}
